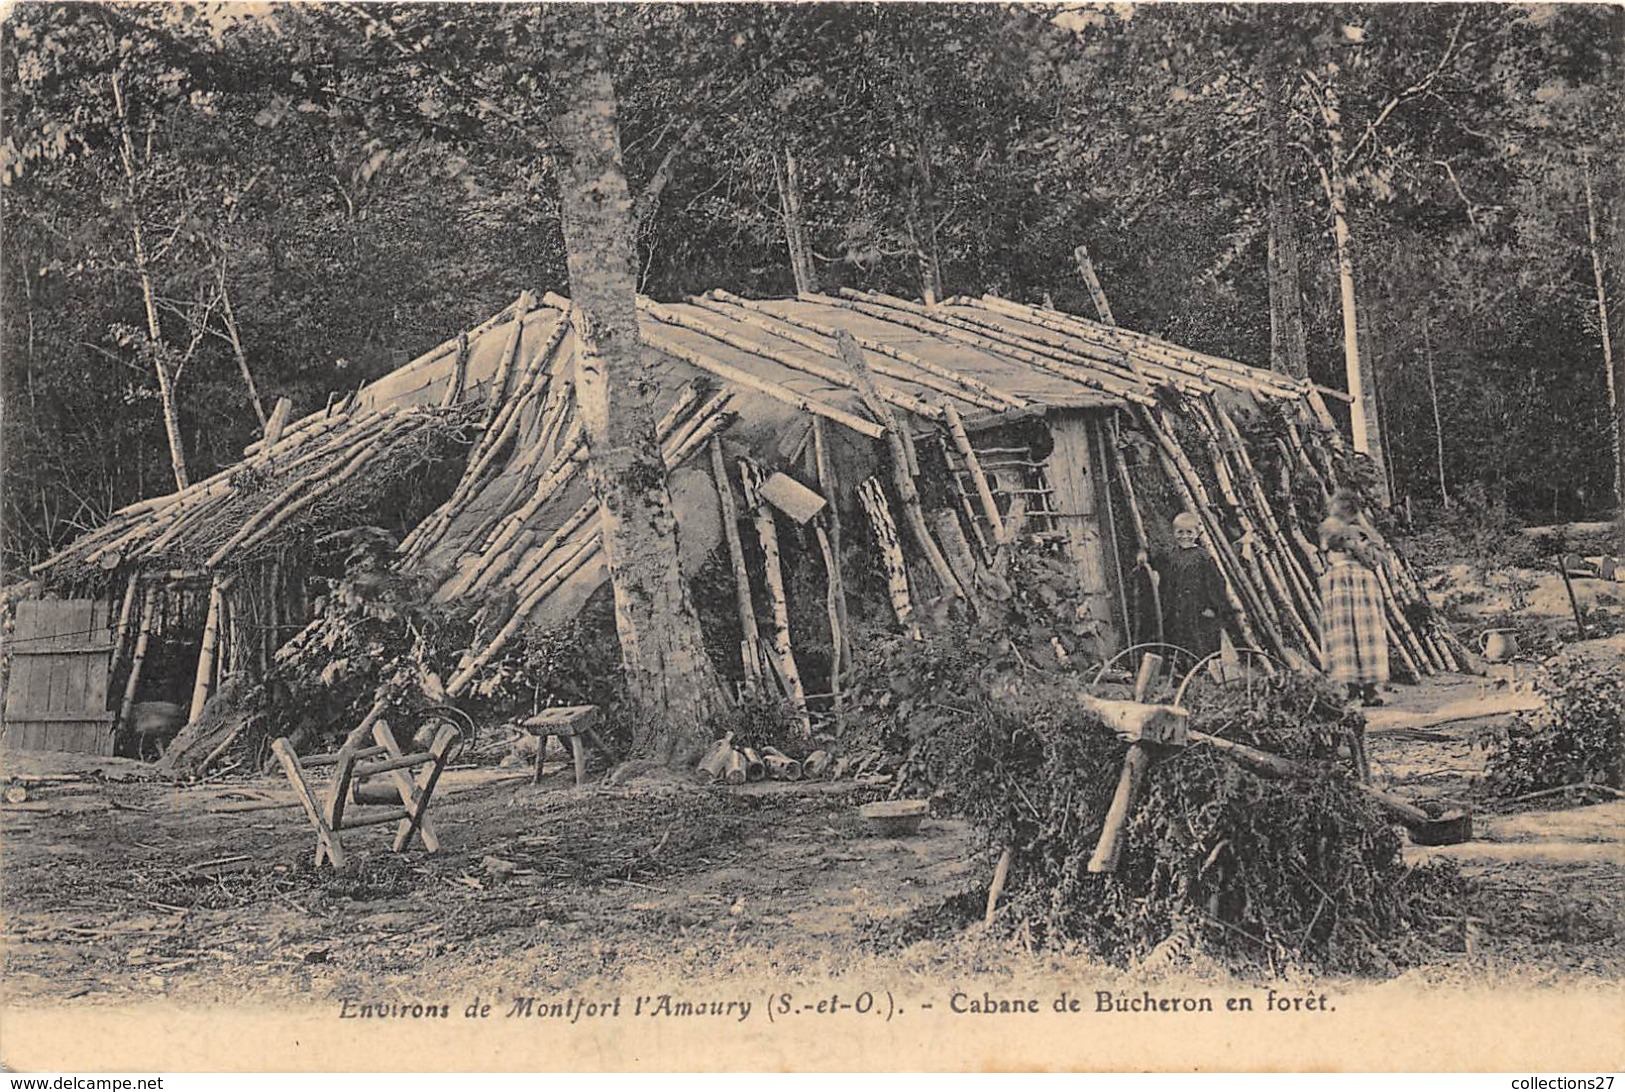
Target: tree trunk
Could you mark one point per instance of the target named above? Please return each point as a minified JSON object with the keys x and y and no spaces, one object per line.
{"x":166,"y":384}
{"x":1433,"y":397}
{"x":788,"y":176}
{"x":1616,"y":423}
{"x":1364,"y":423}
{"x":1086,"y":269}
{"x":923,"y":225}
{"x":1289,"y":344}
{"x":668,"y":675}
{"x":235,"y":336}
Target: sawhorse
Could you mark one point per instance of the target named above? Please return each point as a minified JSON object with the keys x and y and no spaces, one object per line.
{"x":353,"y":764}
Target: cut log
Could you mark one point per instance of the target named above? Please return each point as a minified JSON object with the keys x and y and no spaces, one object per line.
{"x":874,"y":503}
{"x":1138,"y":722}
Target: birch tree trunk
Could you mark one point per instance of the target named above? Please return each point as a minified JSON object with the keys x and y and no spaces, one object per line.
{"x":234,"y":335}
{"x":1433,"y":397}
{"x":667,"y":672}
{"x":1364,"y":423}
{"x":788,"y":175}
{"x":1616,"y":423}
{"x":170,"y":406}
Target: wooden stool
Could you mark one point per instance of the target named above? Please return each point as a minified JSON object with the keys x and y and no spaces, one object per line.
{"x":353,"y":766}
{"x":571,"y":722}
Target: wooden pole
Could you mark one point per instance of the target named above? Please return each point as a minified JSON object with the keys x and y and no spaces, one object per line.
{"x":459,"y":373}
{"x":510,"y":355}
{"x":973,"y":465}
{"x":952,"y":329}
{"x":830,"y":488}
{"x":204,"y":683}
{"x":787,"y":173}
{"x":1243,"y":598}
{"x":901,"y":479}
{"x":1001,"y":873}
{"x":149,"y":607}
{"x":750,"y":645}
{"x":1086,"y":269}
{"x":834,"y":603}
{"x":800,"y":363}
{"x":767,"y":533}
{"x":1109,"y":848}
{"x":1256,"y":547}
{"x":1247,"y":473}
{"x":801,"y":333}
{"x":751,"y":382}
{"x":126,"y":614}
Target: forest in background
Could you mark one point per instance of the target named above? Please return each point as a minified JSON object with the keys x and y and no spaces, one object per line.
{"x":208,"y":207}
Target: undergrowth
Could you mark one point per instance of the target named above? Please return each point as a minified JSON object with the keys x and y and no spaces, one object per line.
{"x":1576,"y":737}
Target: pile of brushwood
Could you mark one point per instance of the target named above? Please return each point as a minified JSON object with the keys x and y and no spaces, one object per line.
{"x":1576,"y":739}
{"x":1246,"y":869}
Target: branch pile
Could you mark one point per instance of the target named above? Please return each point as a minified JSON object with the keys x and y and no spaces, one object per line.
{"x":340,"y":469}
{"x":1248,"y":870}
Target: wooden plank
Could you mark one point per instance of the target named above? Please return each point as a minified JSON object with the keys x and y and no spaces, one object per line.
{"x":70,"y":650}
{"x":75,"y":623}
{"x":1071,"y":473}
{"x":30,"y":678}
{"x":100,"y":672}
{"x":63,"y":716}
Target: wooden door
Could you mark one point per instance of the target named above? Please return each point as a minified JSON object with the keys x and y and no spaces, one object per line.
{"x":61,"y":652}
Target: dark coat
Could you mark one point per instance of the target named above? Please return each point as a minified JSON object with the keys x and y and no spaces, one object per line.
{"x":1190,"y":586}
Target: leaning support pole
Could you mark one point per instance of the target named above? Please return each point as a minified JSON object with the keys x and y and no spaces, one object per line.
{"x":751,"y":640}
{"x":973,"y":466}
{"x":783,"y":651}
{"x":829,"y":487}
{"x":149,"y":607}
{"x":1194,"y":495}
{"x":1086,"y":269}
{"x":904,"y":482}
{"x":126,"y":615}
{"x":203,"y":685}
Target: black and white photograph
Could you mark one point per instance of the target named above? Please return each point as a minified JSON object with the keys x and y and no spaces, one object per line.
{"x":812,"y":537}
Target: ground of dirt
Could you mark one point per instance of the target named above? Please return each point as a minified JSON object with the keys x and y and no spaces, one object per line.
{"x":119,"y":888}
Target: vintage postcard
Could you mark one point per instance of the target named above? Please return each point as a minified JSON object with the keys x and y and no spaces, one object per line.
{"x":812,"y":537}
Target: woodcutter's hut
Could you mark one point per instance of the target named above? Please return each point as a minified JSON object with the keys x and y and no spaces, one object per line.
{"x":838,"y":460}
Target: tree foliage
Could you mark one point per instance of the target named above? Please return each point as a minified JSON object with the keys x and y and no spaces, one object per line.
{"x":359,"y":181}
